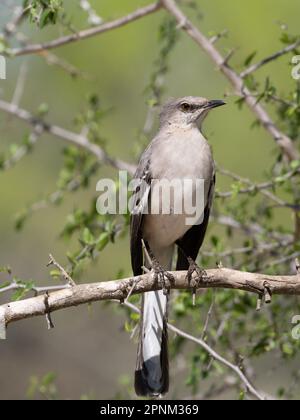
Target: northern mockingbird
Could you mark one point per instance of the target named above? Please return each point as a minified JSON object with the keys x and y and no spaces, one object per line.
{"x":179,"y":151}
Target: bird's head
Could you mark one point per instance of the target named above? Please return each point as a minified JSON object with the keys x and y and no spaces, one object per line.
{"x":187,"y":111}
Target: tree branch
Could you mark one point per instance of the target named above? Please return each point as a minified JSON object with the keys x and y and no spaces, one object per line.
{"x":219,"y":358}
{"x":69,"y":136}
{"x":64,"y":273}
{"x":256,"y":66}
{"x":260,"y":187}
{"x":11,"y":27}
{"x":213,"y":354}
{"x":88,"y":33}
{"x":119,"y":289}
{"x":283,"y":141}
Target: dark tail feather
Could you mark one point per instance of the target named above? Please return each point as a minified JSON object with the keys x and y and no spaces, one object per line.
{"x":152,"y":375}
{"x":141,"y":383}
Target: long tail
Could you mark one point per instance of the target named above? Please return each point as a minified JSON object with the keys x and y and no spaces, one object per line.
{"x":152,"y":370}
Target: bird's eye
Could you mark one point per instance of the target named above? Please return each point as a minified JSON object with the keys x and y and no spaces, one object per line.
{"x":185,"y":107}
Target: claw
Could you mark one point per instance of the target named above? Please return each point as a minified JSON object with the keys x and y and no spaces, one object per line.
{"x":201,"y":275}
{"x":163,"y":277}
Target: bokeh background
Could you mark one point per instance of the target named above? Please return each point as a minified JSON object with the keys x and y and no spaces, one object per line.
{"x":89,"y":350}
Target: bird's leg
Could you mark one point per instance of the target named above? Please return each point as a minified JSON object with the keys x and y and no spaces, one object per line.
{"x":194,"y":268}
{"x":163,"y":277}
{"x":200,"y":276}
{"x":160,"y":274}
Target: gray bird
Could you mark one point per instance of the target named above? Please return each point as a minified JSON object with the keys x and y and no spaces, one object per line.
{"x":179,"y":151}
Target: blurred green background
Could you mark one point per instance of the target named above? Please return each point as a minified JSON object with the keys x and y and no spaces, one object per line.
{"x":88,"y":348}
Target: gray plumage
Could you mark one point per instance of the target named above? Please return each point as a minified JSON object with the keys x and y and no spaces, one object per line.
{"x":179,"y":151}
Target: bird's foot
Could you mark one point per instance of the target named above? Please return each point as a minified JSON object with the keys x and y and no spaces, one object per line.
{"x":195,"y":281}
{"x":163,"y":277}
{"x":200,"y":273}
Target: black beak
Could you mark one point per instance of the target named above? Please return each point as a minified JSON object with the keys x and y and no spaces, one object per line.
{"x":214,"y":104}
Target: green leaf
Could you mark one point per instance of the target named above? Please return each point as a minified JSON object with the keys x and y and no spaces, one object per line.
{"x":19,"y":294}
{"x":87,"y":237}
{"x":179,"y":308}
{"x":55,"y":273}
{"x":287,"y":349}
{"x":5,"y":269}
{"x":215,"y":240}
{"x":45,"y":18}
{"x":20,"y":219}
{"x":249,"y":59}
{"x":134,"y":316}
{"x":280,"y":179}
{"x":43,"y":109}
{"x":48,"y":379}
{"x":102,"y":241}
{"x":240,"y":102}
{"x":128,"y":327}
{"x":287,"y":38}
{"x":295,"y":164}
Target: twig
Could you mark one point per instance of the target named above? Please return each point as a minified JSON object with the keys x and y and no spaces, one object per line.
{"x":48,"y":314}
{"x":228,"y":56}
{"x":88,"y":33}
{"x":17,"y":18}
{"x":23,"y":150}
{"x":220,"y":359}
{"x":93,"y":18}
{"x":54,"y":60}
{"x":283,"y":141}
{"x":213,"y":353}
{"x":251,"y":229}
{"x":218,"y":36}
{"x":252,"y":186}
{"x":12,"y":286}
{"x":56,"y":196}
{"x":65,"y":275}
{"x":259,"y":249}
{"x":256,"y":66}
{"x":261,"y":187}
{"x":51,"y":58}
{"x":146,"y":254}
{"x":208,"y":316}
{"x":17,"y":286}
{"x":69,"y":136}
{"x":50,"y":288}
{"x":259,"y":303}
{"x":267,"y":293}
{"x":281,"y":260}
{"x":216,"y":338}
{"x":134,"y":284}
{"x":282,"y":101}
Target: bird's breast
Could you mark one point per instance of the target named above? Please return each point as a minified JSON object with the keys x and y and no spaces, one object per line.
{"x":185,"y":155}
{"x":175,"y":158}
